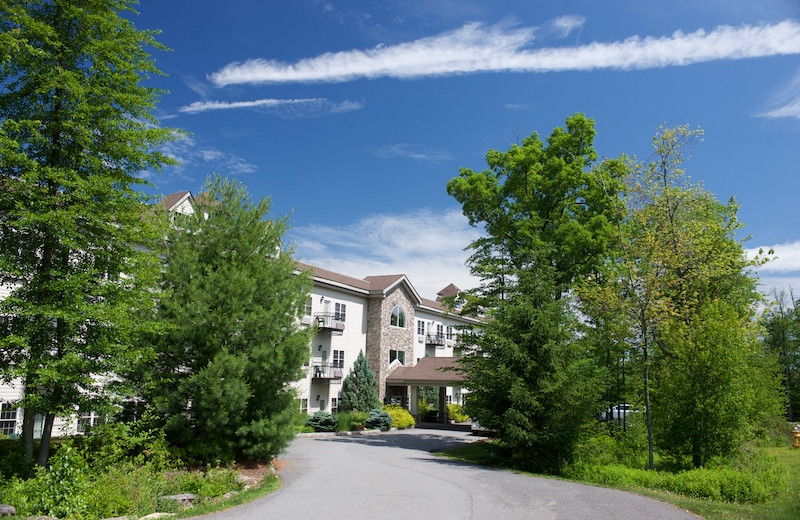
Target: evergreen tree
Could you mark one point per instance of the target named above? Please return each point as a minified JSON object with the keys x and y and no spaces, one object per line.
{"x":359,"y":388}
{"x":231,"y":303}
{"x":548,"y":211}
{"x":75,"y":131}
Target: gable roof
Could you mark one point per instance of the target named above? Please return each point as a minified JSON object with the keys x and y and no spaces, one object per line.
{"x":172,"y":200}
{"x":451,"y":291}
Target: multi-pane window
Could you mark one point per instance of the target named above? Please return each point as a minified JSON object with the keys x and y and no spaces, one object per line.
{"x":338,"y":359}
{"x":398,"y":355}
{"x":439,"y":330}
{"x":88,"y":420}
{"x":334,"y":405}
{"x":340,"y":310}
{"x":304,"y":405}
{"x":398,"y":318}
{"x":449,"y":332}
{"x":307,"y":308}
{"x":8,"y":419}
{"x":421,"y":327}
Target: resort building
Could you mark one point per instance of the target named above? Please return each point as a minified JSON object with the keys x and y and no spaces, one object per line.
{"x":382,"y":316}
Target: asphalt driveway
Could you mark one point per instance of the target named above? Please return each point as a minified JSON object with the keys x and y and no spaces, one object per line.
{"x":393,"y":475}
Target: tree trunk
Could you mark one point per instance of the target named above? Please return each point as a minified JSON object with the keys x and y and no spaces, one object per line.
{"x":44,"y":446}
{"x":648,"y":417}
{"x":28,"y":421}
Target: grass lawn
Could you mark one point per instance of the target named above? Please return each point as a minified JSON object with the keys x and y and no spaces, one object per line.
{"x":785,"y":506}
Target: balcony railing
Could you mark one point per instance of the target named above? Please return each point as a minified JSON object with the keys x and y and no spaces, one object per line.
{"x":326,"y":371}
{"x":434,"y":339}
{"x":329,"y":321}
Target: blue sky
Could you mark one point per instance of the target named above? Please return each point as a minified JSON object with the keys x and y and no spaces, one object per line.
{"x":352,"y":116}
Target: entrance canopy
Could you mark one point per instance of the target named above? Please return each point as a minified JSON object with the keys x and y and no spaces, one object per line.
{"x":429,"y":371}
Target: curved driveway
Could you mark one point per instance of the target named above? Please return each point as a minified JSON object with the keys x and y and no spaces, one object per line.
{"x":393,"y":475}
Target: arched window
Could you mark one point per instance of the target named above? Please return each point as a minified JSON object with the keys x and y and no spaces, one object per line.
{"x":398,"y":317}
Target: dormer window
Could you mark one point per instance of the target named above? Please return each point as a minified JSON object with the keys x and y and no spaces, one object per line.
{"x":398,"y":318}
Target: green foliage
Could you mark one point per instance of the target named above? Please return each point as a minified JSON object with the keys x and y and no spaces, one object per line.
{"x":358,"y":420}
{"x":379,"y":419}
{"x":122,"y":445}
{"x":401,"y":418}
{"x":124,"y":491}
{"x":359,"y":388}
{"x":232,"y":342}
{"x":212,"y":483}
{"x":725,"y":484}
{"x":75,"y":133}
{"x":12,"y":459}
{"x":549,"y":214}
{"x":63,"y":487}
{"x":322,"y":421}
{"x":456,"y":413}
{"x":781,"y":322}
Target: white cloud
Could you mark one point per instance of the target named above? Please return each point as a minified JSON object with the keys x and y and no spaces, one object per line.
{"x":308,"y":107}
{"x":426,"y":245}
{"x":564,"y":25}
{"x":476,"y":47}
{"x":411,"y":151}
{"x":783,"y":271}
{"x":786,"y":102}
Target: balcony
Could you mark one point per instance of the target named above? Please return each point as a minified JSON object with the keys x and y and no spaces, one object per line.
{"x":326,"y":371}
{"x":329,"y":322}
{"x":435,"y":339}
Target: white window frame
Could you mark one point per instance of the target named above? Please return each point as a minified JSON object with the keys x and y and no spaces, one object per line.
{"x":398,"y":317}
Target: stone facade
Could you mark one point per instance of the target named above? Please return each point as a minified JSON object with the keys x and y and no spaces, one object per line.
{"x":382,"y":336}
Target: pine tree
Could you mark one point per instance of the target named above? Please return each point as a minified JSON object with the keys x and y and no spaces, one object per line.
{"x":360,"y":388}
{"x":75,"y":132}
{"x":231,"y":303}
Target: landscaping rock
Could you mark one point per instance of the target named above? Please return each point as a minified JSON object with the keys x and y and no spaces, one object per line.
{"x":7,"y":510}
{"x":154,"y":516}
{"x":184,"y":499}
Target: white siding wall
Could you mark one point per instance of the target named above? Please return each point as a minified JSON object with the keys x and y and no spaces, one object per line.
{"x":352,"y":341}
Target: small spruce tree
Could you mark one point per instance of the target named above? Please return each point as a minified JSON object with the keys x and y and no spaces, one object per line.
{"x":360,"y":388}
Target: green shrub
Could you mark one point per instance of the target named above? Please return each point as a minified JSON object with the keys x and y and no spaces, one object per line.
{"x":456,"y":413}
{"x":401,"y":418}
{"x":125,"y":492}
{"x":114,"y":444}
{"x":12,"y":459}
{"x":379,"y":419}
{"x":430,"y":415}
{"x":322,"y":422}
{"x":358,"y":420}
{"x":723,"y":484}
{"x":300,"y":422}
{"x":63,"y":487}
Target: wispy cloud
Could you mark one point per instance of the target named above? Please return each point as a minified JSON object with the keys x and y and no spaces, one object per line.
{"x":202,"y":159}
{"x":517,"y":106}
{"x":307,"y":107}
{"x":432,"y":256}
{"x":476,"y":47}
{"x":411,"y":151}
{"x":564,"y":25}
{"x":786,"y":101}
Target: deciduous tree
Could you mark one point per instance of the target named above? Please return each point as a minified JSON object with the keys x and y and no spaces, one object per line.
{"x":75,"y":132}
{"x":548,"y":213}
